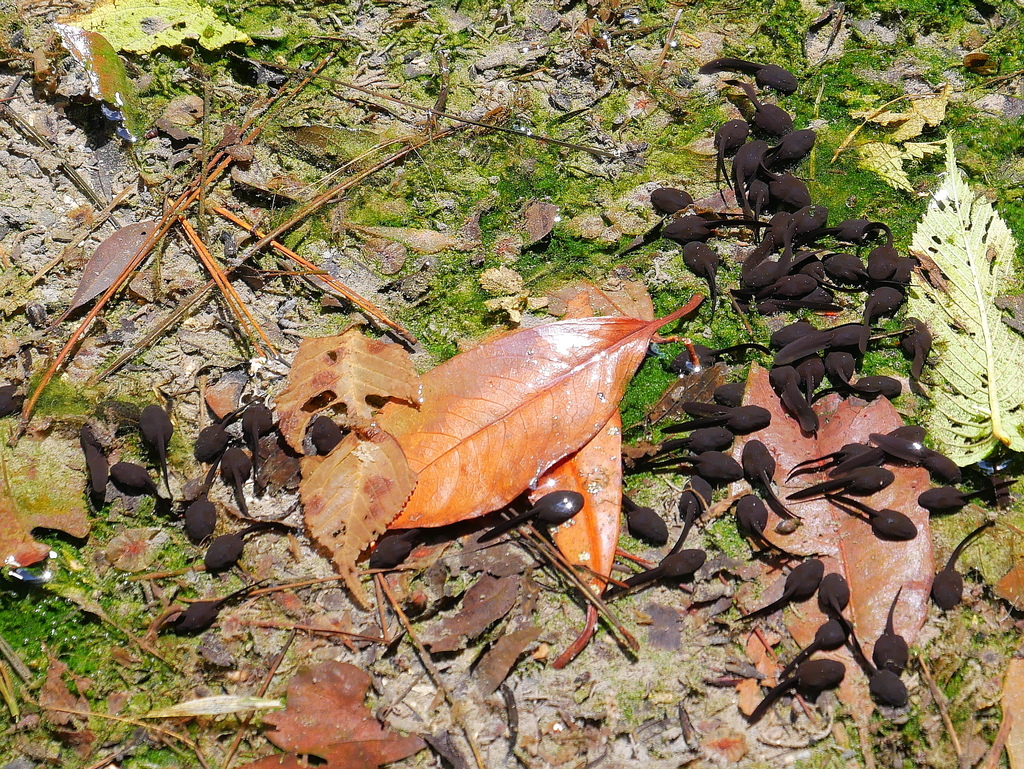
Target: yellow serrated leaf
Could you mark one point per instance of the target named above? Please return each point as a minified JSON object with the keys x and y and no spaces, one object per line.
{"x":142,"y":26}
{"x":886,"y":161}
{"x":918,"y":150}
{"x":967,"y":253}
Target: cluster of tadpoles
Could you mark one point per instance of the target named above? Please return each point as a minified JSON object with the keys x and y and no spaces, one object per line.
{"x":214,"y":446}
{"x":802,"y":276}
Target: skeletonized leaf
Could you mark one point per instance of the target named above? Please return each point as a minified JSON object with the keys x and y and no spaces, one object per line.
{"x":351,"y":495}
{"x":874,"y":568}
{"x":496,"y":417}
{"x":967,"y":253}
{"x":219,"y":705}
{"x":344,"y":369}
{"x":919,"y":114}
{"x":109,"y":259}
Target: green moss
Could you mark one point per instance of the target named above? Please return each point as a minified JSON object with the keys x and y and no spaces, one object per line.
{"x":60,"y":398}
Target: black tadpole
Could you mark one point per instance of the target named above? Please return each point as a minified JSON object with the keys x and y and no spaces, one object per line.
{"x":948,"y":585}
{"x":202,"y":614}
{"x":324,"y":434}
{"x":257,"y":421}
{"x":850,"y":456}
{"x":887,"y":524}
{"x":715,"y":467}
{"x":393,"y":548}
{"x":669,"y":200}
{"x":96,"y":462}
{"x":801,"y":584}
{"x":235,"y":469}
{"x":156,"y":429}
{"x":766,"y":75}
{"x":200,"y":519}
{"x":702,"y":261}
{"x":813,"y":677}
{"x":833,"y":595}
{"x":861,"y":482}
{"x":891,"y":651}
{"x":769,"y":118}
{"x":132,"y":479}
{"x":644,"y":523}
{"x":947,"y":499}
{"x":730,"y":394}
{"x":759,"y":467}
{"x":739,"y":421}
{"x":681,"y":565}
{"x":917,"y":346}
{"x":829,"y":637}
{"x":752,"y":519}
{"x":728,"y":138}
{"x":786,"y":382}
{"x":225,"y":550}
{"x":694,"y":500}
{"x":791,"y":148}
{"x":211,"y":443}
{"x":552,"y":509}
{"x":10,"y":400}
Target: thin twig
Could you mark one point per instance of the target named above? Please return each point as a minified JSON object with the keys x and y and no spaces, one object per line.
{"x":555,"y":558}
{"x":234,"y":301}
{"x":216,"y":167}
{"x":273,"y":625}
{"x":996,"y":751}
{"x":188,"y":305}
{"x":437,"y":113}
{"x":433,"y":671}
{"x":263,"y":690}
{"x":940,"y":703}
{"x":365,"y":305}
{"x":133,"y":722}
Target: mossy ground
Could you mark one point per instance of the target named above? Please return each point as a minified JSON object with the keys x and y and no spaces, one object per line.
{"x":445,"y":182}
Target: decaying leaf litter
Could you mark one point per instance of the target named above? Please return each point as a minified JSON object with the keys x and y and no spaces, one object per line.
{"x":722,"y":738}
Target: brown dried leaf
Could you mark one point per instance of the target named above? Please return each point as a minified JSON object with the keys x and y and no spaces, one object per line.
{"x":346,"y":369}
{"x":749,"y":691}
{"x":538,"y":220}
{"x":1011,"y":586}
{"x":874,"y":568}
{"x":494,"y":418}
{"x":56,"y":694}
{"x":694,"y":387}
{"x":615,"y":297}
{"x":326,"y":717}
{"x":1013,"y":710}
{"x":421,"y":241}
{"x":109,"y":259}
{"x":495,"y":665}
{"x":352,"y":494}
{"x":487,"y":601}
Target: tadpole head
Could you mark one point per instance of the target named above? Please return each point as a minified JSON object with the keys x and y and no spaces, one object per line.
{"x":888,"y":689}
{"x":947,"y":589}
{"x":558,"y":506}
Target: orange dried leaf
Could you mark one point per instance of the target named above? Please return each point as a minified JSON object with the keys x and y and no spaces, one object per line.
{"x":495,"y":418}
{"x":595,"y":471}
{"x":351,"y":495}
{"x":325,"y":717}
{"x":874,"y":568}
{"x":345,"y":369}
{"x":1013,"y":711}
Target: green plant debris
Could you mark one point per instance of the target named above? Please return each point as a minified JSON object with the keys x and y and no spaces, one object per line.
{"x":967,"y":250}
{"x":142,"y":26}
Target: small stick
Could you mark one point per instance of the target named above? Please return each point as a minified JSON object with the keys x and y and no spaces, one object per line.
{"x":133,"y":722}
{"x":434,"y":673}
{"x":263,"y":690}
{"x":234,"y":301}
{"x":996,"y":751}
{"x":558,"y":561}
{"x":380,"y":609}
{"x":940,"y":702}
{"x":273,"y":625}
{"x":668,"y":44}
